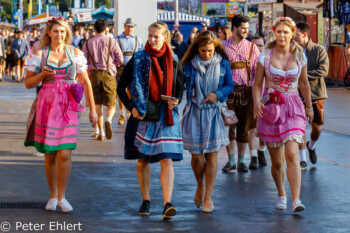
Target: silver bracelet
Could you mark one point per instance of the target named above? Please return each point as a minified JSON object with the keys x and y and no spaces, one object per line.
{"x":309,"y":109}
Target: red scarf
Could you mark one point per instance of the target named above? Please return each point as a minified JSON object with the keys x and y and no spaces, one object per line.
{"x":161,"y":83}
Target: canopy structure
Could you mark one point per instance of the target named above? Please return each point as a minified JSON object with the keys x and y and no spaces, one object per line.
{"x":170,"y":17}
{"x":39,"y":19}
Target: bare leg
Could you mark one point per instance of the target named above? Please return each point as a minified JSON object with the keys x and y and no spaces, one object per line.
{"x":253,"y":139}
{"x":198,"y":164}
{"x":99,"y":110}
{"x":51,"y":173}
{"x":293,"y":168}
{"x":211,"y":169}
{"x":167,"y":179}
{"x":143,"y":175}
{"x":110,"y":111}
{"x":241,"y":148}
{"x":277,"y":169}
{"x":64,"y":166}
{"x":316,"y":131}
{"x":231,"y":148}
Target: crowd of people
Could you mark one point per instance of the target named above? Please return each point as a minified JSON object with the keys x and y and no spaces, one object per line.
{"x":273,"y":89}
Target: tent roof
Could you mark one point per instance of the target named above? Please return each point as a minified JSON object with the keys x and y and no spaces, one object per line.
{"x":170,"y":16}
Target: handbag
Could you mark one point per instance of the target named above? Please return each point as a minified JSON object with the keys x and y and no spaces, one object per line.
{"x":153,"y":111}
{"x":229,"y":116}
{"x":77,"y":91}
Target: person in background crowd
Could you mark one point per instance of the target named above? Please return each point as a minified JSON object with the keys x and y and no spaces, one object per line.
{"x":224,"y":33}
{"x":204,"y":28}
{"x":129,"y":44}
{"x":107,"y":33}
{"x":243,"y":56}
{"x":2,"y":54}
{"x":179,"y":46}
{"x":92,"y":33}
{"x":192,"y":36}
{"x":259,"y":42}
{"x":209,"y":81}
{"x":250,"y":36}
{"x":159,"y":140}
{"x":10,"y":63}
{"x":283,"y":66}
{"x":81,"y":32}
{"x":76,"y":38}
{"x":103,"y":55}
{"x":83,"y":40}
{"x":20,"y":49}
{"x":317,"y":70}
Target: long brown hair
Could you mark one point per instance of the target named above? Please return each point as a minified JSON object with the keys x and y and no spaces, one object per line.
{"x":226,"y":30}
{"x":204,"y":38}
{"x":45,"y":40}
{"x":295,"y":48}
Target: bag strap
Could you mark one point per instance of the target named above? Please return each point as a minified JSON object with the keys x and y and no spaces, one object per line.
{"x":120,"y":43}
{"x":92,"y":60}
{"x":248,"y":63}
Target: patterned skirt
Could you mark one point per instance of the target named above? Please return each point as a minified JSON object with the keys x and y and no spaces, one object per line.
{"x":155,"y":141}
{"x":203,"y":130}
{"x":290,"y":126}
{"x":56,"y":120}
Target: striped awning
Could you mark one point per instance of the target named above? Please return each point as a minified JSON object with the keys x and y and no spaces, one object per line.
{"x":170,"y":16}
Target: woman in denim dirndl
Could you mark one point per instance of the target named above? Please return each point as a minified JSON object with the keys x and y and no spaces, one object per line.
{"x":150,"y":74}
{"x":282,"y":118}
{"x":209,"y":81}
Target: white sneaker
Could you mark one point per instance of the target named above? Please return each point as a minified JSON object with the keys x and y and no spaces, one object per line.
{"x":95,"y":134}
{"x":38,"y":154}
{"x":51,"y":204}
{"x":281,"y":203}
{"x":65,"y":206}
{"x":297,"y":206}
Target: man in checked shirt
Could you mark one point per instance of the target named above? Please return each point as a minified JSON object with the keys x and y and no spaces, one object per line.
{"x":243,"y":57}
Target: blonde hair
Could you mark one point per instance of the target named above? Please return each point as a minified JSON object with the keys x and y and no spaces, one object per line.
{"x":296,"y":50}
{"x":164,"y":30}
{"x":45,"y":40}
{"x":270,"y":36}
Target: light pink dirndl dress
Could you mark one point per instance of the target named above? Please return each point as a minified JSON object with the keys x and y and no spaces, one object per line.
{"x":54,"y":124}
{"x":291,"y":124}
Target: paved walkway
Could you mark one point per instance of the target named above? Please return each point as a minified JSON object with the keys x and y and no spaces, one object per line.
{"x":104,"y":191}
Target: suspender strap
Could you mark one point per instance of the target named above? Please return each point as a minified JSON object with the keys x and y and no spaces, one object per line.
{"x":109,"y":51}
{"x":248,"y":63}
{"x":120,"y":44}
{"x":92,"y":60}
{"x":135,"y":44}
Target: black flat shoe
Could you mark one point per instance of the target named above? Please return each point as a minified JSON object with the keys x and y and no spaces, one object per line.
{"x":169,"y":211}
{"x":145,"y":208}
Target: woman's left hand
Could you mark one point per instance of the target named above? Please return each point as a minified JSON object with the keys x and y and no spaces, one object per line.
{"x":210,"y":98}
{"x":93,"y":118}
{"x":309,"y":115}
{"x":172,"y":103}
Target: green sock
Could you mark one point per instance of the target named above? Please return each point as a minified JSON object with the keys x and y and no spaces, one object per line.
{"x":240,"y":159}
{"x":232,"y":159}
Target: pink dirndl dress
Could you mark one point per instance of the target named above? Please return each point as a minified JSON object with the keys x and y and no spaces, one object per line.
{"x":291,"y":124}
{"x":54,"y":124}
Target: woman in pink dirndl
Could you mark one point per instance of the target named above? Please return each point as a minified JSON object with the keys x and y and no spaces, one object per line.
{"x":53,"y":123}
{"x":282,"y":117}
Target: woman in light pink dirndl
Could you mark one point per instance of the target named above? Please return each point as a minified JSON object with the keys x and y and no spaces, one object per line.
{"x":282,"y":117}
{"x":53,"y":122}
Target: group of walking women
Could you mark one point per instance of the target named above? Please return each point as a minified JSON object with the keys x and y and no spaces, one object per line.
{"x":154,"y":132}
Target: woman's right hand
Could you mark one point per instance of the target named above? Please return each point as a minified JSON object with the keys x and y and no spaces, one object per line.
{"x":135,"y":113}
{"x":45,"y":72}
{"x":258,"y":108}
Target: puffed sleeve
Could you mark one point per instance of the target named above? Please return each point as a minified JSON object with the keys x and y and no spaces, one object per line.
{"x":33,"y":63}
{"x":81,"y":63}
{"x":261,"y":58}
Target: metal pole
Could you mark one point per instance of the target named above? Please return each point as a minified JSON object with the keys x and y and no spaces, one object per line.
{"x":47,"y":8}
{"x":176,"y":23}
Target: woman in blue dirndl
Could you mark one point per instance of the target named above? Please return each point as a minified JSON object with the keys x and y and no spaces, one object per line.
{"x":150,"y":74}
{"x":209,"y":81}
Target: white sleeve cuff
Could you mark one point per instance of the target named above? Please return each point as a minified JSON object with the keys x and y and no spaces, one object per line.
{"x":81,"y":63}
{"x":33,"y":63}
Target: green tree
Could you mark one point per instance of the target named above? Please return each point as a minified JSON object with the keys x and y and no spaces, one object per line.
{"x":106,"y":3}
{"x":6,"y":10}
